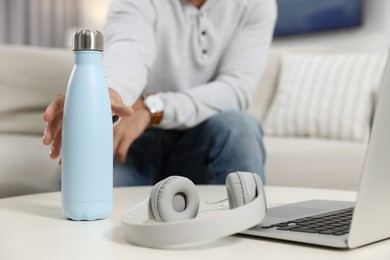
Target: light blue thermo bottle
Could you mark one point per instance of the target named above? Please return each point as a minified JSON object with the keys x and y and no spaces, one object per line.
{"x":87,"y":134}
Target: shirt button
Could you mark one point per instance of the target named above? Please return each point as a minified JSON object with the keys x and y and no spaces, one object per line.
{"x":204,"y":51}
{"x":204,"y":33}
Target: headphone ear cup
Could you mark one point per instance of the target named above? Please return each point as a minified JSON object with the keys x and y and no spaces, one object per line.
{"x":174,"y":198}
{"x":241,"y":188}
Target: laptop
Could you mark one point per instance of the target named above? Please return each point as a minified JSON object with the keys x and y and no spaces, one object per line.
{"x":342,"y":224}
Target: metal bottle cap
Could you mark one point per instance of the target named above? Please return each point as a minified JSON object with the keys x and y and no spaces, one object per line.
{"x":84,"y":40}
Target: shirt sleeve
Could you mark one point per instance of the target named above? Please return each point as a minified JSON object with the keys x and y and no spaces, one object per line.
{"x":129,"y":47}
{"x":237,"y":76}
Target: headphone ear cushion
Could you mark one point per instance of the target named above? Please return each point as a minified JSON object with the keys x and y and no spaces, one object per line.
{"x":174,"y":198}
{"x":241,"y":188}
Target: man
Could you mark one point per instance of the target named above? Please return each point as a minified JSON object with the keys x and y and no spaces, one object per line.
{"x":188,"y":69}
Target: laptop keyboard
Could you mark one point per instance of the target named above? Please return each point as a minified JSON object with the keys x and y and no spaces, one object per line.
{"x":331,"y":223}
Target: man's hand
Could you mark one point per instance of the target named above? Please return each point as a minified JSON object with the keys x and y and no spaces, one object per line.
{"x":129,"y":129}
{"x":53,"y":116}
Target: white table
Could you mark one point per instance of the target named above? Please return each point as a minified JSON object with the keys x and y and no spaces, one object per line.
{"x":32,"y":227}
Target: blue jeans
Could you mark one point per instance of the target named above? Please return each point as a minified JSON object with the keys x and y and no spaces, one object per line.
{"x":229,"y":141}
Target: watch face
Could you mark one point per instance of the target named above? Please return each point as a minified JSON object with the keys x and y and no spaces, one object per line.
{"x":154,"y":103}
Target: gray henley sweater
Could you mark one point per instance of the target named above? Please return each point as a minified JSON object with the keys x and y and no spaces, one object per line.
{"x":201,"y":61}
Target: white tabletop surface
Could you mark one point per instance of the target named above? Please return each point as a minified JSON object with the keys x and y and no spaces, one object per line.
{"x":32,"y":227}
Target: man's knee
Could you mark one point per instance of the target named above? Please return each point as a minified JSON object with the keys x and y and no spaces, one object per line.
{"x":236,"y":124}
{"x":235,"y":142}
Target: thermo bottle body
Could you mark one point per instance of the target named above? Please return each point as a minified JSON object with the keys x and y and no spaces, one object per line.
{"x":87,"y":141}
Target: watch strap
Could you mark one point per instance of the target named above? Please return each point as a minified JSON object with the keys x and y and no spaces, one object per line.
{"x":156,"y":118}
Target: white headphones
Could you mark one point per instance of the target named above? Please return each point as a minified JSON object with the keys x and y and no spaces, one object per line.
{"x":167,"y":217}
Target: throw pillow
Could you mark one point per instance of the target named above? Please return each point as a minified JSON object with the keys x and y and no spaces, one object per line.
{"x":325,"y":95}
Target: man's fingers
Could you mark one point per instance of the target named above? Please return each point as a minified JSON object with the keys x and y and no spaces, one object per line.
{"x":123,"y":148}
{"x":117,"y":105}
{"x":117,"y":137}
{"x":52,"y":129}
{"x":120,"y":142}
{"x":56,"y":146}
{"x":121,"y":153}
{"x":55,"y":107}
{"x":122,"y":110}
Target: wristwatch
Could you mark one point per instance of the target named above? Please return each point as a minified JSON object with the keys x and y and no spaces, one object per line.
{"x":155,"y":105}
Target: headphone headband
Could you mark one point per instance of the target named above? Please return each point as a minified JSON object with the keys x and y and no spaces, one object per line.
{"x":139,"y":230}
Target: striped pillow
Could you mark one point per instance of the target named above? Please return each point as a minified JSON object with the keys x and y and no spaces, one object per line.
{"x":325,"y":95}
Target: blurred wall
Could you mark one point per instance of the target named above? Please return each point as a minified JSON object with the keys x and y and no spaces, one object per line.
{"x":92,"y":13}
{"x":373,"y":35}
{"x":37,"y":22}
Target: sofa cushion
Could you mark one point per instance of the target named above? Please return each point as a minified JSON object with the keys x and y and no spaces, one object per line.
{"x":312,"y":162}
{"x":25,"y":166}
{"x":30,"y":78}
{"x":325,"y":95}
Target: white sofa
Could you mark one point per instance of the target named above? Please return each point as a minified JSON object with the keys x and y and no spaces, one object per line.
{"x":30,"y":77}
